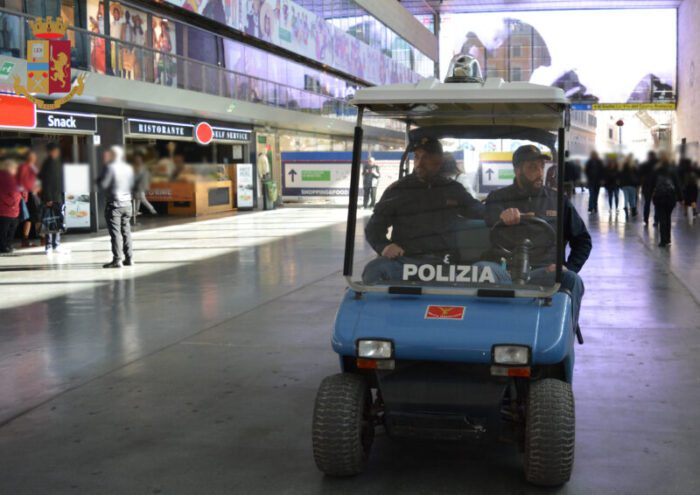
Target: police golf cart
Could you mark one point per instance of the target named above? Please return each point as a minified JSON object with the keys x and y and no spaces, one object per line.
{"x":451,"y":350}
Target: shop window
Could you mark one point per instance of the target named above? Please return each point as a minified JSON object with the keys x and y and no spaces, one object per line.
{"x":516,"y":51}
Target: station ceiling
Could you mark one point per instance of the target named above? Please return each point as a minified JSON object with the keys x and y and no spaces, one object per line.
{"x":460,"y":6}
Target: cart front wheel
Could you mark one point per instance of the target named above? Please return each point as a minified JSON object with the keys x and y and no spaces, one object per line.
{"x":343,"y":429}
{"x":549,"y":432}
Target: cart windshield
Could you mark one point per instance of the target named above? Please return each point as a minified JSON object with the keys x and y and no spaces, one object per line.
{"x":460,"y":212}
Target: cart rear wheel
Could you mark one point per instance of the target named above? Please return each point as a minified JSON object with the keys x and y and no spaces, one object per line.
{"x":343,"y":429}
{"x":549,"y":432}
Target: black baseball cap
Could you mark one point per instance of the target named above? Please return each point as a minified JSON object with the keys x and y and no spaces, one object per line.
{"x":528,"y":152}
{"x":429,"y":145}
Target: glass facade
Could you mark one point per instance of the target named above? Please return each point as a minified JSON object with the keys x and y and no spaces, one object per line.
{"x":352,"y":19}
{"x":354,"y":42}
{"x":141,"y":45}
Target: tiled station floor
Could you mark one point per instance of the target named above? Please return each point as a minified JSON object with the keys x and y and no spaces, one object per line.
{"x":195,"y":371}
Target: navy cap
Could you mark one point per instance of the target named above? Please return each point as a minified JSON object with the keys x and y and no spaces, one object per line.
{"x":429,"y":145}
{"x":528,"y":152}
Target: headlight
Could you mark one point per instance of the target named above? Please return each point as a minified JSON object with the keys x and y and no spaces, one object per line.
{"x":374,"y":349}
{"x":511,"y":355}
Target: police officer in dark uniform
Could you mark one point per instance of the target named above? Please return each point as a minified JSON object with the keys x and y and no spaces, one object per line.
{"x":422,"y":210}
{"x":528,"y":196}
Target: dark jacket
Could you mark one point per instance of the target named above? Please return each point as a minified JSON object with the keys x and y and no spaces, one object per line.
{"x":594,"y":172}
{"x":51,"y":177}
{"x":661,"y":172}
{"x":422,"y":215}
{"x":629,"y":176}
{"x":611,"y":177}
{"x":9,"y":195}
{"x":543,"y":203}
{"x":646,"y":176}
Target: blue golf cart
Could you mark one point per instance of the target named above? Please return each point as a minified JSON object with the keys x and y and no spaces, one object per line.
{"x":469,"y":344}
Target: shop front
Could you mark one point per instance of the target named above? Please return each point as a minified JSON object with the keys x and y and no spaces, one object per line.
{"x":195,"y":168}
{"x":74,"y":133}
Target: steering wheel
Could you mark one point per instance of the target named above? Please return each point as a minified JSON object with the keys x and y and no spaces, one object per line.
{"x":508,"y":237}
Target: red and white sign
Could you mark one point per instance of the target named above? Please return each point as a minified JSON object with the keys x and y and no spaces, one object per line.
{"x":444,"y":313}
{"x":17,"y":111}
{"x":203,"y":133}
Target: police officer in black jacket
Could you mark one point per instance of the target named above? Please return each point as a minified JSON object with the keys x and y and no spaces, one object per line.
{"x":528,"y":195}
{"x":422,"y":210}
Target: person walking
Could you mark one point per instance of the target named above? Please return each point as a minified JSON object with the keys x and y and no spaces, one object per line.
{"x":370,"y":180}
{"x":646,"y":179}
{"x":117,"y":180}
{"x":142,"y":182}
{"x":611,"y":178}
{"x":9,"y":205}
{"x":26,"y":178}
{"x":51,"y":177}
{"x":665,"y":193}
{"x":594,"y":176}
{"x":688,"y":175}
{"x":629,"y":182}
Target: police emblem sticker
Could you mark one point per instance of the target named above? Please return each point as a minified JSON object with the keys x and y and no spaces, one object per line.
{"x":48,"y":65}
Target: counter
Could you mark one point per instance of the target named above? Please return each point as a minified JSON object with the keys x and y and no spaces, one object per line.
{"x":194,"y":198}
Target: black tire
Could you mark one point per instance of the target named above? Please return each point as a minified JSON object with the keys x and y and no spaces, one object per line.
{"x":343,"y":430}
{"x":550,"y":430}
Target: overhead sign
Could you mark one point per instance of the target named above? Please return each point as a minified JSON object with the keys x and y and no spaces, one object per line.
{"x":16,"y":111}
{"x":203,"y":133}
{"x":624,"y":106}
{"x":495,"y":170}
{"x":316,"y":179}
{"x":225,"y":134}
{"x":66,"y":121}
{"x":158,"y":128}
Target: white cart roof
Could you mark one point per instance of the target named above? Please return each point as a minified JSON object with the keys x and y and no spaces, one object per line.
{"x":493,"y":102}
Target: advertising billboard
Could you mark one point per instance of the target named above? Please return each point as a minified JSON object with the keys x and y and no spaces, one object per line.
{"x":600,"y":58}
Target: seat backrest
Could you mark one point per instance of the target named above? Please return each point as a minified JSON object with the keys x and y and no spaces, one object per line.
{"x":473,"y":240}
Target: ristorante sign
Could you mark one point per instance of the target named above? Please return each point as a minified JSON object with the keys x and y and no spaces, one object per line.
{"x":203,"y":133}
{"x":164,"y":129}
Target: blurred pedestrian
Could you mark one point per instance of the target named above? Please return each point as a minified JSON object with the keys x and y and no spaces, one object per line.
{"x":117,"y":180}
{"x":688,"y":174}
{"x":370,"y":181}
{"x":594,"y":176}
{"x":570,"y":173}
{"x":51,"y":177}
{"x":451,"y":170}
{"x":26,"y":178}
{"x":629,"y":181}
{"x":142,"y":183}
{"x":9,"y":205}
{"x":665,"y":193}
{"x":646,"y":179}
{"x":611,"y":178}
